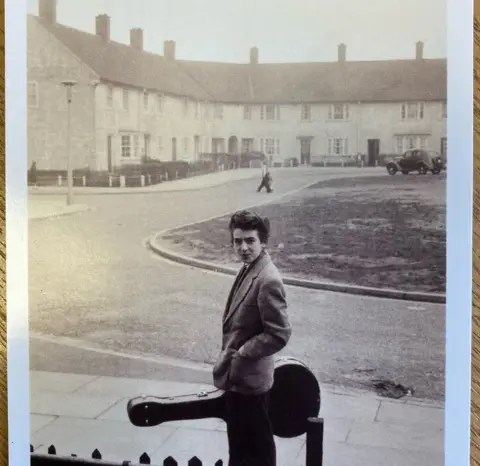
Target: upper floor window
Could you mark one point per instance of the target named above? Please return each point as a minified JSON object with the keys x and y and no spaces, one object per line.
{"x":185,"y":107}
{"x":338,"y":112}
{"x":306,"y":112}
{"x":32,"y":94}
{"x":126,"y":99}
{"x":444,"y":110}
{"x":270,"y":112}
{"x":412,"y":111}
{"x":218,"y":111}
{"x":196,"y":109}
{"x":247,"y":112}
{"x":109,"y":97}
{"x":145,"y":100}
{"x":160,"y":103}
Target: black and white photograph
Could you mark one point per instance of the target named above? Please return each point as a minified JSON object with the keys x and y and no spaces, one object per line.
{"x":237,"y":232}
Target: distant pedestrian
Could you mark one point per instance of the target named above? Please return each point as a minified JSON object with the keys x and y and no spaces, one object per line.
{"x":255,"y":326}
{"x":267,"y":183}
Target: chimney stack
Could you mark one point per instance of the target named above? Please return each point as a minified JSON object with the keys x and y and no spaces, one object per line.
{"x":136,"y":38}
{"x":342,"y":52}
{"x":102,"y":27}
{"x":419,"y":54}
{"x":169,"y":49}
{"x":254,"y":56}
{"x":47,"y":10}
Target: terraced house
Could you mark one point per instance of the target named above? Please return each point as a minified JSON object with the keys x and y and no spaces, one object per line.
{"x":129,"y":102}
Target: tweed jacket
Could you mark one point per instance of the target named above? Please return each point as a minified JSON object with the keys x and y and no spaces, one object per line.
{"x":255,"y":327}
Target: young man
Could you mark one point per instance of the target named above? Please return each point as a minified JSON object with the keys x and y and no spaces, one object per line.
{"x":255,"y":327}
{"x":266,"y":183}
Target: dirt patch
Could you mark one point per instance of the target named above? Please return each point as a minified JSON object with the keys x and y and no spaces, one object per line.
{"x":373,"y":231}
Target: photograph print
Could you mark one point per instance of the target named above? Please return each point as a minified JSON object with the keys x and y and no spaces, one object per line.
{"x":237,"y":232}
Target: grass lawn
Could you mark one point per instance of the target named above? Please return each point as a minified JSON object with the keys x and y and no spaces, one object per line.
{"x":371,"y":231}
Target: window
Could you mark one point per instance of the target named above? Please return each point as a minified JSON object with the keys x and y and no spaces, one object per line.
{"x":247,"y":112}
{"x":206,"y":110}
{"x":337,"y":146}
{"x":270,"y":146}
{"x":160,"y":103}
{"x":32,"y":94}
{"x":247,"y":145}
{"x":126,"y":99}
{"x":126,"y":146}
{"x":444,"y":110}
{"x":109,"y":97}
{"x":196,"y":109}
{"x":412,"y":111}
{"x":185,"y":145}
{"x":406,"y":142}
{"x":306,"y":112}
{"x":145,"y":100}
{"x":443,"y":146}
{"x":338,"y":112}
{"x":269,"y":112}
{"x":185,"y":107}
{"x":218,"y":111}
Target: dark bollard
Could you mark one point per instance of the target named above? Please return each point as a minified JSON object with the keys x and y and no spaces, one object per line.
{"x":145,"y":459}
{"x":170,"y":462}
{"x":52,"y":450}
{"x":96,"y":455}
{"x":194,"y":462}
{"x":314,"y":444}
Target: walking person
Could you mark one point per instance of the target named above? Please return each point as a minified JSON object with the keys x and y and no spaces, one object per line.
{"x":255,"y":326}
{"x":267,"y":182}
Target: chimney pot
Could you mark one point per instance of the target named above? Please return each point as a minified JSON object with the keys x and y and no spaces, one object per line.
{"x":342,"y":52}
{"x":254,"y":55}
{"x":102,"y":27}
{"x":47,"y":10}
{"x":419,"y":53}
{"x":136,"y":38}
{"x":169,"y":49}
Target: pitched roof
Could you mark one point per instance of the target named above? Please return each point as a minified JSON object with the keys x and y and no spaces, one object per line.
{"x":387,"y":80}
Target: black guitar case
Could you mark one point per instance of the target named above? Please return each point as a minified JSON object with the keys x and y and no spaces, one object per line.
{"x":295,"y":396}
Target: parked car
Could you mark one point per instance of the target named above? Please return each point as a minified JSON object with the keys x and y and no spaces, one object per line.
{"x":416,"y":160}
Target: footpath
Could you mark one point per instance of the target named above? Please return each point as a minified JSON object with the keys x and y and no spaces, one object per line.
{"x":79,"y":413}
{"x":185,"y":184}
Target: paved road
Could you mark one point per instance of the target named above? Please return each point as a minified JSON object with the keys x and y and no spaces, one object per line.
{"x":93,"y":282}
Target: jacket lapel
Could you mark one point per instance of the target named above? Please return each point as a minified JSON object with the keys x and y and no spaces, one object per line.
{"x":245,"y":286}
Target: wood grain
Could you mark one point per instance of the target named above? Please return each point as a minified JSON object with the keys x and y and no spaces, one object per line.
{"x":3,"y":302}
{"x":475,"y":392}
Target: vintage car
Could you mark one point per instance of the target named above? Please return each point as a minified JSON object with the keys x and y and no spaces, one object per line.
{"x":416,"y":160}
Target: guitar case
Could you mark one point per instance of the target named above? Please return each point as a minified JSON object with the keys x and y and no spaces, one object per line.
{"x":294,"y":397}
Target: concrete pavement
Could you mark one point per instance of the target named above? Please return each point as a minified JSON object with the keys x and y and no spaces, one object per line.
{"x":78,"y":413}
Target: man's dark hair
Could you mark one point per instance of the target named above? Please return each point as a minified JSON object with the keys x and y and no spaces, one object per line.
{"x":246,"y":220}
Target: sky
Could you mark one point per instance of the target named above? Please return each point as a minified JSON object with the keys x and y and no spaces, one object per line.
{"x":283,"y":30}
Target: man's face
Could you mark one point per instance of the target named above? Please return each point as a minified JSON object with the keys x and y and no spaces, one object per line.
{"x":247,"y":244}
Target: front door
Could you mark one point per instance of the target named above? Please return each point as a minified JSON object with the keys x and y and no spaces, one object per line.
{"x":305,"y":145}
{"x":373,"y":151}
{"x":109,"y":153}
{"x":174,"y":148}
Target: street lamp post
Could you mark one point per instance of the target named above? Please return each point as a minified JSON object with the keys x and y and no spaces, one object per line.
{"x":69,"y":87}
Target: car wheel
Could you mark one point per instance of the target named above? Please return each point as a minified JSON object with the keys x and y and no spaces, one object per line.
{"x":422,"y":170}
{"x":392,"y":169}
{"x":405,"y":172}
{"x":436,"y":171}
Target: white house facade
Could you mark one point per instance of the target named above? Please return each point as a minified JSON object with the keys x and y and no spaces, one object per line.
{"x":128,"y":102}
